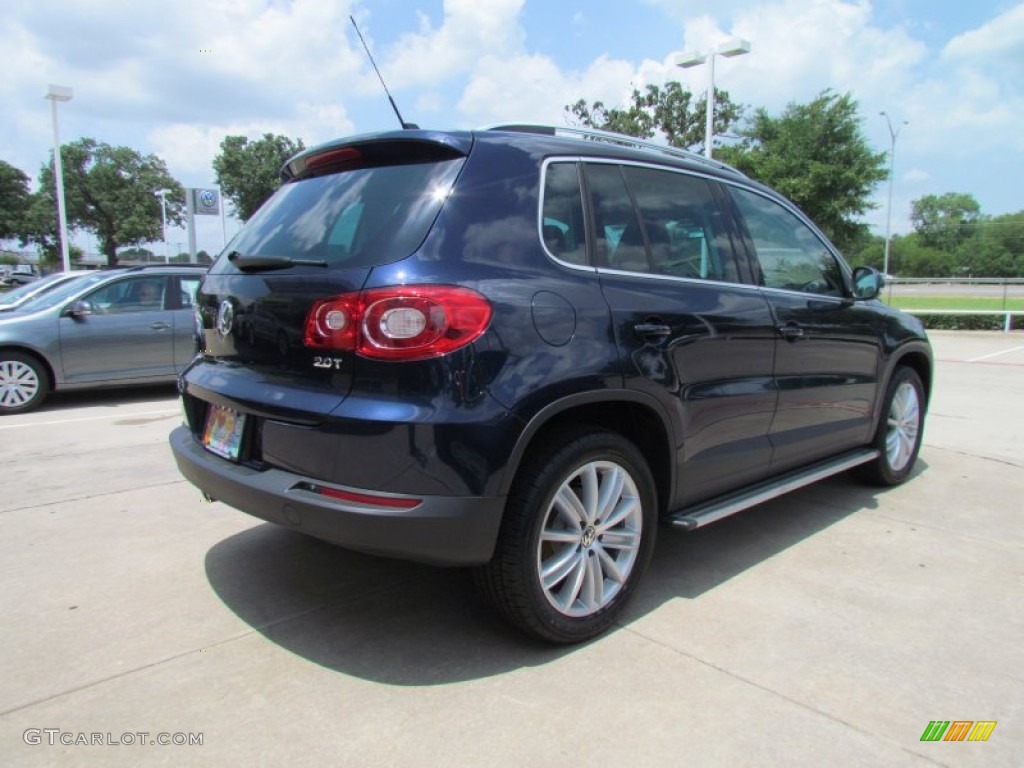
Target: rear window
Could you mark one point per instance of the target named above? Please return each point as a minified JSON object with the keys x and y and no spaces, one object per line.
{"x":357,"y":218}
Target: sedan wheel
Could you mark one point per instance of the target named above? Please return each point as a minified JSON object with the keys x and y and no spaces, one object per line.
{"x":23,"y":383}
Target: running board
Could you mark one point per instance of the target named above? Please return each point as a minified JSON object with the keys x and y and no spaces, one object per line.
{"x":691,"y":518}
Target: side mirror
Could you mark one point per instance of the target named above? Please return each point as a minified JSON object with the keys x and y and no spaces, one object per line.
{"x":867,"y":283}
{"x":80,"y":308}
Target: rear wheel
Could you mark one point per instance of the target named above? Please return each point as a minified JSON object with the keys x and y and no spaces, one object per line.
{"x":577,"y":535}
{"x":899,"y":434}
{"x":23,"y":382}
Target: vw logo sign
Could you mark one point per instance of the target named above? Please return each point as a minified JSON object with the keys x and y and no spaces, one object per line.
{"x":207,"y":198}
{"x":225,"y":318}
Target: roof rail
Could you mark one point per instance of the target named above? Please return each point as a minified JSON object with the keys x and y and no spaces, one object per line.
{"x":619,"y":139}
{"x":156,"y":265}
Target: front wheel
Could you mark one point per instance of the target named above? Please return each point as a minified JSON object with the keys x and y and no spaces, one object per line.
{"x":23,"y":383}
{"x":577,"y":535}
{"x":899,"y":434}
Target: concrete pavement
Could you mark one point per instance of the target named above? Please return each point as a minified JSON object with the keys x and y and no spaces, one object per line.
{"x":825,"y":628}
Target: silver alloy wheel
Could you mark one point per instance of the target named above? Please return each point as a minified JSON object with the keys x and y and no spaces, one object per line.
{"x":19,"y":383}
{"x":590,"y":538}
{"x":904,"y":426}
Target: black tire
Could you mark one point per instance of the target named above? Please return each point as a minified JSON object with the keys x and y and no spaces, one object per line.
{"x":24,"y":382}
{"x":900,"y":429}
{"x":599,"y":562}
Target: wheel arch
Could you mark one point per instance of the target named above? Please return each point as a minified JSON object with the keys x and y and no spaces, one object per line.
{"x":35,"y":355}
{"x":637,"y":417}
{"x":919,"y":359}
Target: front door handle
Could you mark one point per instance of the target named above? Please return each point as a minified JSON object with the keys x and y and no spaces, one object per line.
{"x":791,"y":332}
{"x":160,"y":326}
{"x":649,"y":330}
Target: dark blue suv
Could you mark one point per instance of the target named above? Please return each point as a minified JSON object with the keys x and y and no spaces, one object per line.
{"x":520,"y":349}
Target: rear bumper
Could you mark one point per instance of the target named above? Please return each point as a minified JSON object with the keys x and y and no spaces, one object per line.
{"x":441,"y":530}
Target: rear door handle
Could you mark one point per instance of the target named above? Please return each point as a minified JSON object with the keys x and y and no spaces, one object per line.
{"x":160,"y":326}
{"x":791,"y":332}
{"x":652,"y":330}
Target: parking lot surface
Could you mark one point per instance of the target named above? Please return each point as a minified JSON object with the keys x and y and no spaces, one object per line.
{"x":828,"y":627}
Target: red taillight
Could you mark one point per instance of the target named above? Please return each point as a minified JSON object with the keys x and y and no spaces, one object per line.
{"x":333,"y":323}
{"x":399,"y":323}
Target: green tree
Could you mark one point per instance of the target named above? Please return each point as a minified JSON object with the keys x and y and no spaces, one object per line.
{"x":1006,"y":230}
{"x":40,"y":228}
{"x":909,"y":257}
{"x":669,"y":110}
{"x":15,"y":200}
{"x":249,"y":171}
{"x":816,"y":155}
{"x":945,"y":221}
{"x":111,"y":192}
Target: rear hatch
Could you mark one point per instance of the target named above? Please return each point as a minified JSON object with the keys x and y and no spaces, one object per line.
{"x":344,"y":208}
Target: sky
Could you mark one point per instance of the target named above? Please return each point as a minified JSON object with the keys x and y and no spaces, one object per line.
{"x":175,"y":78}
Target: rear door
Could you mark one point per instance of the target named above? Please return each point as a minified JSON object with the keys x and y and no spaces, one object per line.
{"x":828,"y":348}
{"x":689,"y":331}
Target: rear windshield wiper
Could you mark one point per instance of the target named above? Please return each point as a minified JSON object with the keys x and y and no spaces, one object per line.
{"x":254,"y":263}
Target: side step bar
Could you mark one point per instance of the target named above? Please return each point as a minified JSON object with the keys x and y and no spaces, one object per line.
{"x":691,"y":518}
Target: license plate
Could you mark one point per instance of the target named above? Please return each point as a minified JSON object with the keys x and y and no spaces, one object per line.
{"x":223,"y":433}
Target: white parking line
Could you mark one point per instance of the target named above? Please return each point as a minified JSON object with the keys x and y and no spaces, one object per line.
{"x":994,"y":354}
{"x":119,"y":415}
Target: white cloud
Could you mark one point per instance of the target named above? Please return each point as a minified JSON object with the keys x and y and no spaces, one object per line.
{"x":471,"y":29}
{"x":1001,"y":38}
{"x":915,"y":176}
{"x":531,"y":88}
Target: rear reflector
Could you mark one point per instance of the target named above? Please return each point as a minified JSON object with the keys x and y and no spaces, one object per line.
{"x":366,"y":499}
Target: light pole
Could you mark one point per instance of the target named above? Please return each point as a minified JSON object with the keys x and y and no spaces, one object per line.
{"x":163,"y":219}
{"x":57,"y":93}
{"x":893,"y":134}
{"x":735,"y":47}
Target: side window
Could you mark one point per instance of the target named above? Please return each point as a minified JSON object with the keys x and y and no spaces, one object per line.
{"x":562,"y":226}
{"x":682,"y":225}
{"x":619,"y":240}
{"x":187,"y":287}
{"x":137,"y":294}
{"x":791,"y":255}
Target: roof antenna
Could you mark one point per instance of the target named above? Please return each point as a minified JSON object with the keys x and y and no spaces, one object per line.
{"x":366,"y":48}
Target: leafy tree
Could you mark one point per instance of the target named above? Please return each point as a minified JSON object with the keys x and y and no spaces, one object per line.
{"x":669,"y":110}
{"x":1007,"y":231}
{"x":39,"y":227}
{"x":909,"y":257}
{"x":15,"y":200}
{"x":249,"y":171}
{"x":945,"y":221}
{"x":816,"y":155}
{"x":111,"y":192}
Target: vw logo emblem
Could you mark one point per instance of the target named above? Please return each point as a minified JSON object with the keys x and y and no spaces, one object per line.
{"x":225,"y":318}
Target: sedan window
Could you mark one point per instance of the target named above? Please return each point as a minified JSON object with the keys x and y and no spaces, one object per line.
{"x":138,"y":294}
